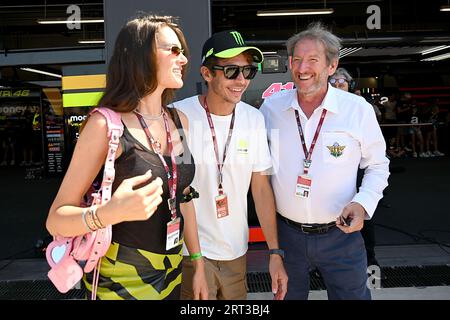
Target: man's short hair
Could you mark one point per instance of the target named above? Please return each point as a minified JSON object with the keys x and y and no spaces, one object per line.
{"x":316,"y":31}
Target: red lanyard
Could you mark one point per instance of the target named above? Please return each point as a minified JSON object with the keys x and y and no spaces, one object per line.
{"x":172,"y":178}
{"x":308,"y":154}
{"x":216,"y":147}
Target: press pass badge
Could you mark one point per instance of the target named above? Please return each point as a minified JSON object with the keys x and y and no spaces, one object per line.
{"x":222,"y":205}
{"x":173,"y":234}
{"x":303,"y":187}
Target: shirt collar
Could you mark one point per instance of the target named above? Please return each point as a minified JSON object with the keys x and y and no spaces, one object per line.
{"x":329,"y":102}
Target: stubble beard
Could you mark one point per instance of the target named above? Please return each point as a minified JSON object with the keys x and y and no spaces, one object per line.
{"x":316,"y":87}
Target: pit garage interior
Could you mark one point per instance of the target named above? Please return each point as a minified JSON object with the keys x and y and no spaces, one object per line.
{"x":389,"y":47}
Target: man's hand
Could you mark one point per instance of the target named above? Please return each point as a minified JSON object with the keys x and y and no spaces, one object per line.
{"x":351,"y":218}
{"x":279,"y":277}
{"x":199,"y":283}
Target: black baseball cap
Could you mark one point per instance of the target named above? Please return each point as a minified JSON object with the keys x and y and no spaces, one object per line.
{"x":228,"y":44}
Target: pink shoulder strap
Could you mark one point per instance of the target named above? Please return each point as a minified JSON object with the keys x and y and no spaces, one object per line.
{"x":113,"y":119}
{"x":103,"y":236}
{"x":115,"y":131}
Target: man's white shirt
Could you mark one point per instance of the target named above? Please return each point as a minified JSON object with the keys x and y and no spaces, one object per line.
{"x":351,"y":126}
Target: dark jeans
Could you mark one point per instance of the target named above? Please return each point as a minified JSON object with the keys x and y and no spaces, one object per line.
{"x":368,"y":234}
{"x":368,"y":230}
{"x":340,"y":258}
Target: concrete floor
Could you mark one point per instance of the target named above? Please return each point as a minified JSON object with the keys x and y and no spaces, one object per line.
{"x":426,"y":293}
{"x":410,"y":255}
{"x":387,"y":256}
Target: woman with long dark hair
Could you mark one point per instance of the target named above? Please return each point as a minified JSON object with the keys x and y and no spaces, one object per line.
{"x":153,"y":165}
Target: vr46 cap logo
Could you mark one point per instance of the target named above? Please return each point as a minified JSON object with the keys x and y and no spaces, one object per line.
{"x":237,"y":37}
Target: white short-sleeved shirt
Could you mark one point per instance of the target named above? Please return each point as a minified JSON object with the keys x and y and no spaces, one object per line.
{"x":350,"y":124}
{"x":225,"y":238}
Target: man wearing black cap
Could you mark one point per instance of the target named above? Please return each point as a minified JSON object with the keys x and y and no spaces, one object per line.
{"x":229,"y":144}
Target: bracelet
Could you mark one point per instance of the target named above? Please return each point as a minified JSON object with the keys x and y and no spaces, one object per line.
{"x":196,"y":256}
{"x":90,"y":220}
{"x":96,"y":219}
{"x":193,"y":194}
{"x":83,"y":217}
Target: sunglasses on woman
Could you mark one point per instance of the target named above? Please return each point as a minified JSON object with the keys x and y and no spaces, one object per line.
{"x":232,"y":71}
{"x":176,"y":50}
{"x":340,"y":81}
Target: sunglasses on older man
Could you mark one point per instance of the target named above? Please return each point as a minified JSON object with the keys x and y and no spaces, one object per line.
{"x":232,"y":71}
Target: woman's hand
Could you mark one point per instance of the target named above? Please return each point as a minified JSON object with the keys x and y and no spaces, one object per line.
{"x":129,"y":203}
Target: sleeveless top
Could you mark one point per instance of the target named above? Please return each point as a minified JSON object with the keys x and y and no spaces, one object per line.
{"x":135,"y":160}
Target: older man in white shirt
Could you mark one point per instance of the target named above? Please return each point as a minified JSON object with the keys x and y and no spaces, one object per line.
{"x":319,"y":136}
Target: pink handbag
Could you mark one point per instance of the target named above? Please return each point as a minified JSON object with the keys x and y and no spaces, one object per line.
{"x":64,"y":254}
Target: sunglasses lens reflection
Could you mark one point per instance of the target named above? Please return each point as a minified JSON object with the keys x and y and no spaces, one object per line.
{"x":232,"y":72}
{"x":249,"y":72}
{"x":176,"y":50}
{"x":335,"y":81}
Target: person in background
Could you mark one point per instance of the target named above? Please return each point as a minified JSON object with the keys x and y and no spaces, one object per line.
{"x":390,"y":117}
{"x":153,"y":165}
{"x":9,"y":142}
{"x":25,"y":138}
{"x":323,"y":136}
{"x":431,"y":135}
{"x":233,"y":156}
{"x":416,"y":132}
{"x":376,"y":109}
{"x":404,"y":107}
{"x":341,"y":79}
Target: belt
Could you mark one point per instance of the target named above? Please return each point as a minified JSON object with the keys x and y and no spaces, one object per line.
{"x":316,"y":228}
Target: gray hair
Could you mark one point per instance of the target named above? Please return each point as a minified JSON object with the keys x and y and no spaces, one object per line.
{"x":316,"y":31}
{"x":344,"y":73}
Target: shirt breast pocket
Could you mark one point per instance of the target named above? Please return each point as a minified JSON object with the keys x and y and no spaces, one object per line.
{"x":241,"y":149}
{"x":339,"y":148}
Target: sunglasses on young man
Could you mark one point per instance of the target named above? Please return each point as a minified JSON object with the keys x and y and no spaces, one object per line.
{"x":333,"y":81}
{"x":174,"y":49}
{"x":232,"y":71}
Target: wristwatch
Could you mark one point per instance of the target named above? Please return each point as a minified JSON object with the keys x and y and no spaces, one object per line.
{"x":280,"y":252}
